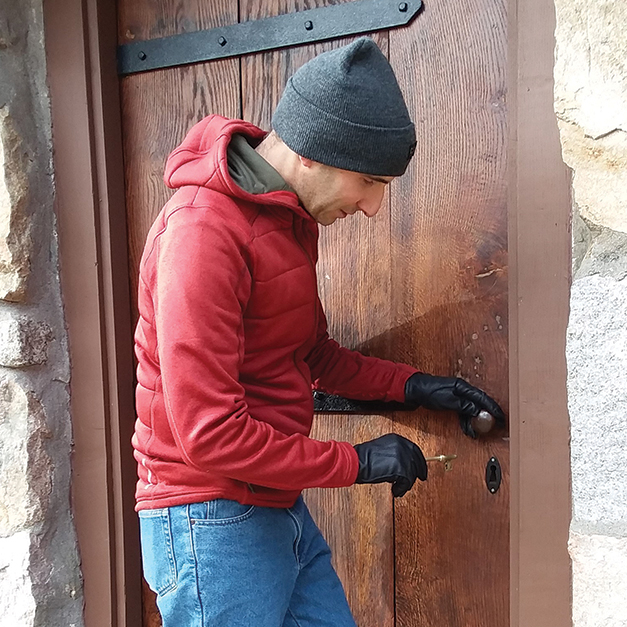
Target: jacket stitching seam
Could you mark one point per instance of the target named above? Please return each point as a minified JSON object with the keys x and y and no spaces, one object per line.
{"x":167,"y":219}
{"x":152,"y":430}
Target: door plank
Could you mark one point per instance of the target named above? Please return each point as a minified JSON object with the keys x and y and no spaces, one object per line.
{"x":449,"y":290}
{"x":158,"y":108}
{"x":423,"y":282}
{"x":357,"y":521}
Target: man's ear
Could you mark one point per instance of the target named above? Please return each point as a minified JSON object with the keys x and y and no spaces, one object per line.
{"x":307,"y":163}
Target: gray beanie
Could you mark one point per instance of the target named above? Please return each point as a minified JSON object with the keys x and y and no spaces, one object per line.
{"x":344,"y":108}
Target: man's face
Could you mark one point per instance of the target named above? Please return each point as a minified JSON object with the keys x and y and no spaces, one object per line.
{"x":330,"y":193}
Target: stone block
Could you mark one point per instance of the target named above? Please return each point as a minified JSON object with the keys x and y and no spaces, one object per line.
{"x":596,"y":353}
{"x":23,"y":342}
{"x":599,"y":174}
{"x":591,"y":65}
{"x":17,"y":603}
{"x":25,"y":467}
{"x":606,"y":254}
{"x":15,"y":226}
{"x":591,"y":104}
{"x":599,"y":580}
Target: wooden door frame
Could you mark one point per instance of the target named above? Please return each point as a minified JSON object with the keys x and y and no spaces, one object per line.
{"x":81,"y":37}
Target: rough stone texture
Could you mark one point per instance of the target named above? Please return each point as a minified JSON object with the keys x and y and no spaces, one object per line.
{"x":14,"y":223}
{"x":599,"y":573}
{"x":591,"y":104}
{"x":25,"y":467}
{"x":582,"y":239}
{"x":23,"y":342}
{"x":17,"y":604}
{"x":5,"y":33}
{"x":40,"y":579}
{"x":591,"y":64}
{"x":597,"y":401}
{"x":603,"y":251}
{"x":599,"y":174}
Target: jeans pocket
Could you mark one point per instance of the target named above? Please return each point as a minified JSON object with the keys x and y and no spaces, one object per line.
{"x":220,"y":512}
{"x":157,"y":550}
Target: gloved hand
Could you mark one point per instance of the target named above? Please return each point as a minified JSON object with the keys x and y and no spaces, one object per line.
{"x":391,"y":458}
{"x":454,"y":394}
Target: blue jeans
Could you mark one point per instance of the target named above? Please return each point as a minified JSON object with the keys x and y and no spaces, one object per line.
{"x":222,"y":564}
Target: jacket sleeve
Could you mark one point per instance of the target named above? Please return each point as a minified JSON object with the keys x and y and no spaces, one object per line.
{"x":337,"y":370}
{"x":202,"y":282}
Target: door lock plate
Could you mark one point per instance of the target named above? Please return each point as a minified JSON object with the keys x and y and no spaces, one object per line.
{"x":493,"y":475}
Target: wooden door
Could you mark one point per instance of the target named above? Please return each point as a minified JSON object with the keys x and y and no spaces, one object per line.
{"x":424,"y":282}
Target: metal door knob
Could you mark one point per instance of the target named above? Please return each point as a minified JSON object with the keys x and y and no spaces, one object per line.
{"x":482,"y":422}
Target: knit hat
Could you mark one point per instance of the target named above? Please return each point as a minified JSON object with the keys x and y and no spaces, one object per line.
{"x":344,"y":108}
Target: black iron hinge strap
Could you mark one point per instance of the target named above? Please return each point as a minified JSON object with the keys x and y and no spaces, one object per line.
{"x":291,"y":29}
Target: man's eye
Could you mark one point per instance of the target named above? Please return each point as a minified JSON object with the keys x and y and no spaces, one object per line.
{"x":369,"y":181}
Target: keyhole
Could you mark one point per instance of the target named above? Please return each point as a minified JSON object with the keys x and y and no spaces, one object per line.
{"x":493,"y":475}
{"x":492,"y":478}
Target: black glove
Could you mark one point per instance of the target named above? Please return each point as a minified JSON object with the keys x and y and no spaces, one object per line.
{"x":391,"y":458}
{"x":454,"y":394}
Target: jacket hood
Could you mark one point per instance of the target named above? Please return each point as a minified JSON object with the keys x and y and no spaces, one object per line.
{"x":201,"y":160}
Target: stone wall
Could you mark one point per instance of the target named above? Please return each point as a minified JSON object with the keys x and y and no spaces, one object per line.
{"x":591,"y":105}
{"x":39,"y":565}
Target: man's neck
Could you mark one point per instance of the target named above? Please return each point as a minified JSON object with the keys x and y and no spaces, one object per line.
{"x":279,"y":156}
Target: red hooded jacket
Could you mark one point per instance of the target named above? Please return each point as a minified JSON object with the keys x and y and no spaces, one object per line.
{"x":231,"y":336}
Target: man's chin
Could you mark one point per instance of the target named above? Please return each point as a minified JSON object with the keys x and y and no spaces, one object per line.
{"x":326,"y":220}
{"x":333,"y":218}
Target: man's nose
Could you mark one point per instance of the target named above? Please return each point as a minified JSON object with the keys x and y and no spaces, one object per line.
{"x":370,"y":206}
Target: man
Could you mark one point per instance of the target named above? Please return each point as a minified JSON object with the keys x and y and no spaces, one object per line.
{"x":232,"y":336}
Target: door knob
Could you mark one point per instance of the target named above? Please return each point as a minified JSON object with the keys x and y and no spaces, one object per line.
{"x":482,"y":422}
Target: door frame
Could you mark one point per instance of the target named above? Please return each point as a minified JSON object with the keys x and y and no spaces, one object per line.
{"x":81,"y":39}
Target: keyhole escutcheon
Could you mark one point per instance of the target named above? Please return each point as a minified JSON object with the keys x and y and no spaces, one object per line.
{"x":493,"y":475}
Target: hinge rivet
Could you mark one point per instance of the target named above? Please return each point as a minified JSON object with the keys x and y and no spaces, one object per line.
{"x":142,"y":56}
{"x":403,"y":6}
{"x":309,"y":25}
{"x":222,"y":41}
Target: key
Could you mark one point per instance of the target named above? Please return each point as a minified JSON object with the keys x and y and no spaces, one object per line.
{"x":447,"y":460}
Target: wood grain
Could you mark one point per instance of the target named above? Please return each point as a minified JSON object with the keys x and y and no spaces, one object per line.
{"x":150,"y":613}
{"x":449,"y":291}
{"x":357,"y":524}
{"x":424,"y":282}
{"x":158,"y":108}
{"x":356,"y":296}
